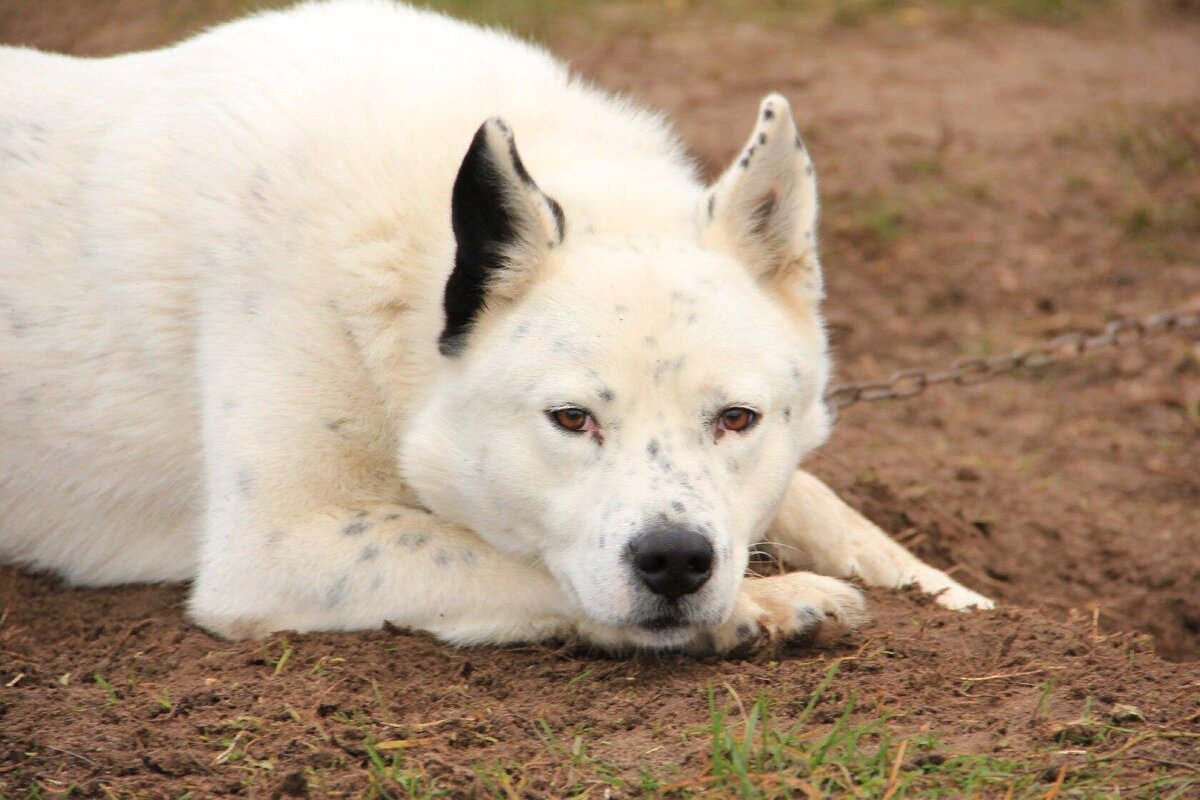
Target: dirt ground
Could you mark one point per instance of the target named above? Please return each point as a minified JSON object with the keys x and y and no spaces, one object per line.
{"x":989,"y":180}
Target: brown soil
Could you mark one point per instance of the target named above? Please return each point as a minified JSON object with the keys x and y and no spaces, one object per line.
{"x":986,"y":186}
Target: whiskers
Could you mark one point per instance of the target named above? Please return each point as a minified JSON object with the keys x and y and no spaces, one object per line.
{"x":764,"y":560}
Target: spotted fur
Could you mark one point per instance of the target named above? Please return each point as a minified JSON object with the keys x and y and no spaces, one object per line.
{"x":221,"y":304}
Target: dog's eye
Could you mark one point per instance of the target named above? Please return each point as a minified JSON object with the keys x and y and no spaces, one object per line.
{"x":737,"y":419}
{"x":571,"y":419}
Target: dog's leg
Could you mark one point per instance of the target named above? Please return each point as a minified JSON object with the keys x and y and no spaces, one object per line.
{"x":346,"y":568}
{"x":356,"y":568}
{"x":816,"y":530}
{"x":307,"y":524}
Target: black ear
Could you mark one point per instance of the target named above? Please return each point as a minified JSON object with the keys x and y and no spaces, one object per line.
{"x":503,"y":227}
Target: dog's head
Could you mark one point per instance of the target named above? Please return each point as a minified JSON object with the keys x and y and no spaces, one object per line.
{"x":628,"y":412}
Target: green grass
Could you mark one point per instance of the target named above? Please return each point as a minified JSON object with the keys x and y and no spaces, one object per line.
{"x":392,"y":778}
{"x":764,"y":757}
{"x":879,"y":217}
{"x":111,"y":696}
{"x":1159,"y":156}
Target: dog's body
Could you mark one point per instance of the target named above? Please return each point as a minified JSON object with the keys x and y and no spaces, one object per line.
{"x":224,"y":280}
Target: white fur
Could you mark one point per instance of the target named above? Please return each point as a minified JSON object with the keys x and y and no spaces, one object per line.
{"x":221,"y":271}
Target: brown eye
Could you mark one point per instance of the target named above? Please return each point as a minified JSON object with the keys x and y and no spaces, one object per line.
{"x":570,"y":418}
{"x":737,"y":419}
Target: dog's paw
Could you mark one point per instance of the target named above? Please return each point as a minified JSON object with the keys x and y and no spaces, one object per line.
{"x":895,"y":568}
{"x":948,"y":592}
{"x":782,"y":608}
{"x":959,"y":598}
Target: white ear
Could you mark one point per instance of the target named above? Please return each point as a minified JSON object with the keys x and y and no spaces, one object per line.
{"x":763,"y":209}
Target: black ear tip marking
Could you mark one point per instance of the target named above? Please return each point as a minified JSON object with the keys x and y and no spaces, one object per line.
{"x":499,"y":124}
{"x":768,"y":113}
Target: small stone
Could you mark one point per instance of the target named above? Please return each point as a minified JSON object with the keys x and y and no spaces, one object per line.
{"x":1122,"y":712}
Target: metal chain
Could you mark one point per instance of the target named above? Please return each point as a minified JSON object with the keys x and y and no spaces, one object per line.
{"x":965,"y":372}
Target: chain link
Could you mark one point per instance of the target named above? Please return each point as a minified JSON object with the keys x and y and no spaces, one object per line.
{"x":966,"y":372}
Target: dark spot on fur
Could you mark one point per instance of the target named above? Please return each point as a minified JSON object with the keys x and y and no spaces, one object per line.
{"x":663,"y":367}
{"x":355,"y":528}
{"x":808,"y":618}
{"x":336,"y":593}
{"x":678,"y":507}
{"x":652,"y":448}
{"x":442,"y":558}
{"x":744,"y":631}
{"x":369,"y":552}
{"x":412,"y":540}
{"x":360,"y":513}
{"x":787,"y":413}
{"x":762,"y":138}
{"x":712,"y":205}
{"x":607,"y":395}
{"x":467,"y":557}
{"x":336,"y":425}
{"x":391,"y":517}
{"x":768,"y":113}
{"x":808,"y":170}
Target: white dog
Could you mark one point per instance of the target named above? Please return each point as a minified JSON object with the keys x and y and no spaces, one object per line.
{"x":263,"y":326}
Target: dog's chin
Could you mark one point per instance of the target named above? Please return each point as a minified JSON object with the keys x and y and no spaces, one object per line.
{"x":670,"y":626}
{"x":660,"y":633}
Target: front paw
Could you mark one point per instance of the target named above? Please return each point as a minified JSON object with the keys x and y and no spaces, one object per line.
{"x":782,"y":608}
{"x":957,"y":597}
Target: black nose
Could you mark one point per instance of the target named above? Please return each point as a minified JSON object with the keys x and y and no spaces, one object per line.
{"x":672,"y":561}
